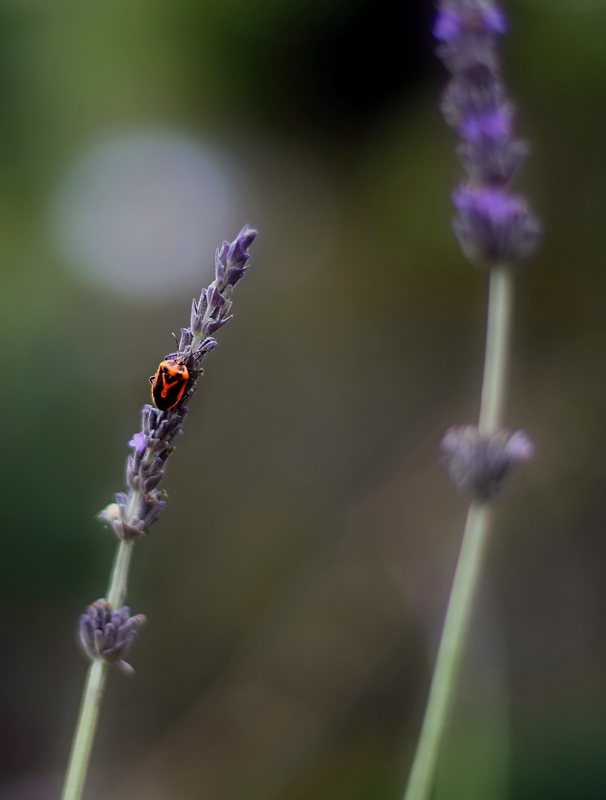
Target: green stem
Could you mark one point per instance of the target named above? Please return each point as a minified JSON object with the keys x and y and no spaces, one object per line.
{"x":116,"y":592}
{"x":85,"y":731}
{"x":500,"y":303}
{"x":477,"y":526}
{"x":92,"y":695}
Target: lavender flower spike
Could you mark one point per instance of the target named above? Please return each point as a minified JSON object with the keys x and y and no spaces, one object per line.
{"x":133,"y":514}
{"x":107,"y":629}
{"x":493,"y":225}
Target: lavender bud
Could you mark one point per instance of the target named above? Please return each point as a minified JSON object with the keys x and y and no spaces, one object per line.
{"x":186,"y":339}
{"x":480,"y":465}
{"x":212,"y":326}
{"x":145,"y":414}
{"x":129,"y":531}
{"x":153,"y":510}
{"x":139,"y":441}
{"x":149,"y":415}
{"x":207,"y":345}
{"x":234,"y":274}
{"x":494,"y":226}
{"x":215,"y":298}
{"x":151,"y":482}
{"x":497,"y":162}
{"x":238,"y":252}
{"x":105,"y":634}
{"x":132,"y":478}
{"x":221,"y":261}
{"x":203,"y":303}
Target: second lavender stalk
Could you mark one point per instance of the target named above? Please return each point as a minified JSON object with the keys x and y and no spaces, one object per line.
{"x":495,"y":229}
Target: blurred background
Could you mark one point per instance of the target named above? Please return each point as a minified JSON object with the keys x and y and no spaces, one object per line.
{"x":296,"y":584}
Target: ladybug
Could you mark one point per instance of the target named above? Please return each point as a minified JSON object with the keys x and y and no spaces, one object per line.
{"x":170,"y":382}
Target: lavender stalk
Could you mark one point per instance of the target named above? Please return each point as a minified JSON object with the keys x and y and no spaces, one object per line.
{"x":107,"y":629}
{"x":495,"y":229}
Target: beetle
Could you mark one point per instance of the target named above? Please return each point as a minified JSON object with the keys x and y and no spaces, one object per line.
{"x":170,"y":382}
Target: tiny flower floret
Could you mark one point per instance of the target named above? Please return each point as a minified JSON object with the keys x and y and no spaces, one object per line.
{"x":448,"y":25}
{"x":139,"y":442}
{"x":496,"y":123}
{"x":480,"y":465}
{"x":109,"y":514}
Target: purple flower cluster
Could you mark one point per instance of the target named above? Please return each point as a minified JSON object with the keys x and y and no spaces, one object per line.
{"x":132,"y":515}
{"x":481,"y":465}
{"x":210,"y":312}
{"x":493,"y":225}
{"x":106,"y":634}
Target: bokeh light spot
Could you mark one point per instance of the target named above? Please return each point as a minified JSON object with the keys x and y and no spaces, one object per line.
{"x":141,"y":213}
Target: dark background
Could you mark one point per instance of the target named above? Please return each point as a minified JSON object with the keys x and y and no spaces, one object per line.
{"x":296,"y":584}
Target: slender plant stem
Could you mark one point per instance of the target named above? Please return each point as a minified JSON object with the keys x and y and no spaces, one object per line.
{"x":116,"y":593}
{"x":477,"y":526}
{"x":85,"y":731}
{"x":92,"y":695}
{"x":500,"y":304}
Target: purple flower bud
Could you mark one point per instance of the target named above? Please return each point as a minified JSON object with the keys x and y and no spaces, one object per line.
{"x":493,"y":226}
{"x":153,"y":510}
{"x":215,"y":298}
{"x":493,"y":162}
{"x":203,"y":302}
{"x":207,"y":345}
{"x":481,"y":465}
{"x":495,"y":21}
{"x":457,"y":18}
{"x":520,"y":447}
{"x":221,"y":261}
{"x":448,"y":25}
{"x":149,"y":419}
{"x":212,"y":326}
{"x":151,"y":482}
{"x":145,"y":419}
{"x":129,"y":531}
{"x":496,"y":123}
{"x":234,"y":274}
{"x":158,"y":445}
{"x":132,"y":474}
{"x":139,"y":442}
{"x":464,"y":54}
{"x":237,"y":255}
{"x":472,"y":93}
{"x":105,"y":634}
{"x":186,"y":339}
